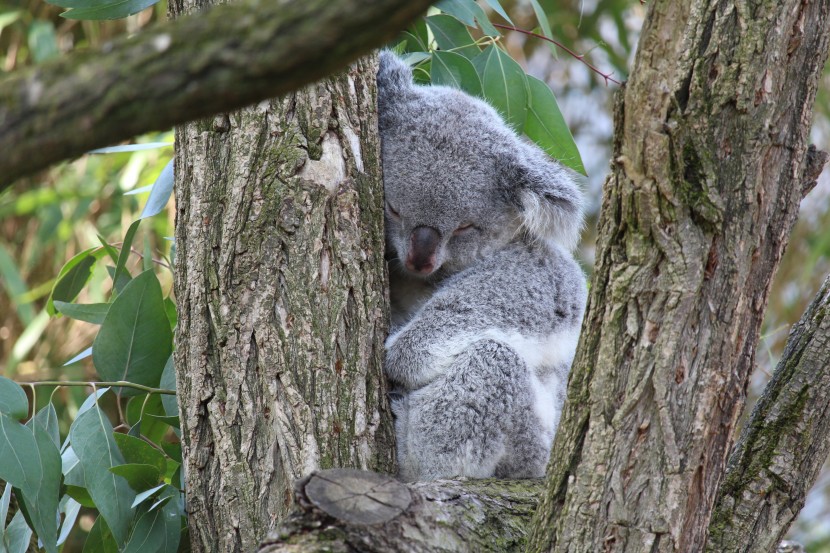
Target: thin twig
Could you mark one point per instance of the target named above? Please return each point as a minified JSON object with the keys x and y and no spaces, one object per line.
{"x":115,"y":384}
{"x":579,"y":57}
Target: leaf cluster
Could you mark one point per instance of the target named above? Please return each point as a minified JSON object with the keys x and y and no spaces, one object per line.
{"x":443,"y":51}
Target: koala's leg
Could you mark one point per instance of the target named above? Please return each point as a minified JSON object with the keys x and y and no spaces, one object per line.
{"x":462,"y":424}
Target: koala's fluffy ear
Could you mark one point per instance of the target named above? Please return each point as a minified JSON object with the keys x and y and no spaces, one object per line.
{"x":548,"y":198}
{"x":394,"y":76}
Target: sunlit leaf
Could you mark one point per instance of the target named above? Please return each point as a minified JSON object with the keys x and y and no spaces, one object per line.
{"x":126,"y":147}
{"x":168,"y":381}
{"x":70,"y":510}
{"x":160,"y":195}
{"x":147,"y":494}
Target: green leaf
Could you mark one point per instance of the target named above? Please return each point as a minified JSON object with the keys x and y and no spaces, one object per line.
{"x":13,"y":401}
{"x":88,"y":312}
{"x":504,"y":84}
{"x":81,"y":495}
{"x":168,"y":381}
{"x":173,"y":450}
{"x":91,"y":438}
{"x":139,"y":477}
{"x":158,"y":529}
{"x":31,"y":462}
{"x":547,"y":128}
{"x":499,"y":10}
{"x":135,"y":339}
{"x":469,"y":13}
{"x":139,"y":414}
{"x":72,"y":278}
{"x":146,"y":495}
{"x":100,"y":538}
{"x":114,"y":9}
{"x":47,"y":419}
{"x":160,"y":195}
{"x":70,"y":509}
{"x":172,"y":314}
{"x":454,"y":70}
{"x":542,"y":18}
{"x":123,"y":256}
{"x":139,"y":452}
{"x":450,"y":34}
{"x":124,"y":147}
{"x":18,"y":534}
{"x":169,"y":421}
{"x":43,"y":43}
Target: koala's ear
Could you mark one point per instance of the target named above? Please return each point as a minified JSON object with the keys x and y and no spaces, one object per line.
{"x":548,"y":199}
{"x":394,"y":76}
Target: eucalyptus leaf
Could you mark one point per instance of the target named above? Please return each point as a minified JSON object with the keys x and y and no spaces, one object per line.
{"x":137,"y":451}
{"x":112,"y":10}
{"x":547,"y":128}
{"x":47,"y":419}
{"x":504,"y":84}
{"x":452,"y":35}
{"x":542,"y":18}
{"x":168,"y":381}
{"x":91,"y":438}
{"x":123,"y":256}
{"x":135,"y":338}
{"x":161,"y":192}
{"x":496,"y":6}
{"x":88,"y":312}
{"x":139,"y":477}
{"x":70,"y":510}
{"x":30,"y":462}
{"x":18,"y":534}
{"x":83,"y":355}
{"x":455,"y":70}
{"x":72,"y":278}
{"x":147,"y":494}
{"x":100,"y":538}
{"x":124,"y":147}
{"x":157,"y":529}
{"x":13,"y":401}
{"x":469,"y":13}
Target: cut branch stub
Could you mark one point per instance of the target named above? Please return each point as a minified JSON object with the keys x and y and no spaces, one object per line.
{"x":355,"y":496}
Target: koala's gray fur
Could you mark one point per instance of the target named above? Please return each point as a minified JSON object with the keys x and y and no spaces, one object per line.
{"x":486,"y":298}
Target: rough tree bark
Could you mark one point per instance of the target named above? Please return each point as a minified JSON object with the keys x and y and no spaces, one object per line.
{"x":218,"y":60}
{"x":709,"y":157}
{"x":783,"y":445}
{"x":280,"y":286}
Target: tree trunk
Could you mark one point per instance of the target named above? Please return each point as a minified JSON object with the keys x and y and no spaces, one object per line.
{"x":280,"y":288}
{"x":709,"y":158}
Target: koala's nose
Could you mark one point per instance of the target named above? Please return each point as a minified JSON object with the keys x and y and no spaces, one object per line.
{"x":423,"y":249}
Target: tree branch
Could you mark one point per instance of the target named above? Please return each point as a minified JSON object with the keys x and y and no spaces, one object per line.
{"x":206,"y":63}
{"x":352,"y":510}
{"x":784,"y":444}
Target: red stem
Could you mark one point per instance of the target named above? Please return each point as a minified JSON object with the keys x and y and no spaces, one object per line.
{"x":580,"y":57}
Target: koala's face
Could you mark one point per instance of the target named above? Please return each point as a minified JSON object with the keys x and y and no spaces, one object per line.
{"x":444,"y":209}
{"x":459,"y":183}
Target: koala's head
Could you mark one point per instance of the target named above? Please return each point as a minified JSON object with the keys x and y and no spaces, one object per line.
{"x":459,"y":183}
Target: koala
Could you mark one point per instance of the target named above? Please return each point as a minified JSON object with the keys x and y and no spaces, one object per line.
{"x":487,"y":299}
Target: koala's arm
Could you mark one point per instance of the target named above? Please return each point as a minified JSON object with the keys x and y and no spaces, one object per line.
{"x":530,"y":298}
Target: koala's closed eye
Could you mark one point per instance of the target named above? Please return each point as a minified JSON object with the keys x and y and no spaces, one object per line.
{"x":463,"y":229}
{"x":392,"y":211}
